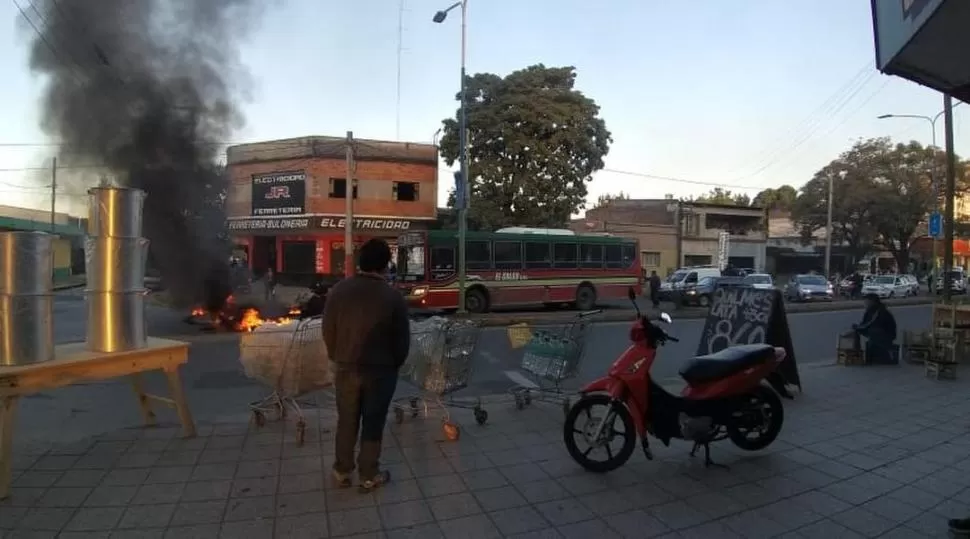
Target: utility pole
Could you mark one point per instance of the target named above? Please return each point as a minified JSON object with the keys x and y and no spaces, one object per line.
{"x":53,"y":195}
{"x":828,"y":230}
{"x":349,"y":266}
{"x":951,"y":175}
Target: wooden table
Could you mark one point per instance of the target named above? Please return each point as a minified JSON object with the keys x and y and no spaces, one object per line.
{"x":75,"y":363}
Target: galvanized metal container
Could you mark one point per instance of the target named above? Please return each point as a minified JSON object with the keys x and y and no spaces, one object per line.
{"x":115,"y":264}
{"x":26,"y":329}
{"x":26,"y":263}
{"x":115,"y":211}
{"x":116,"y":321}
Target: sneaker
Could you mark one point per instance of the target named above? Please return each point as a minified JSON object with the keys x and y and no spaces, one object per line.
{"x":342,"y":480}
{"x":376,"y":482}
{"x":960,"y":526}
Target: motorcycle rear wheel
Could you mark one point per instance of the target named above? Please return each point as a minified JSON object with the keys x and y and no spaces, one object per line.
{"x":762,"y":400}
{"x":581,"y":413}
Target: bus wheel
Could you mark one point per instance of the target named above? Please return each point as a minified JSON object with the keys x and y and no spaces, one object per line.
{"x":475,"y":301}
{"x":585,"y":298}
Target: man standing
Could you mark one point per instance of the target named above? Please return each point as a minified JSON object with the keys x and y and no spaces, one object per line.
{"x":368,"y":336}
{"x":654,"y":282}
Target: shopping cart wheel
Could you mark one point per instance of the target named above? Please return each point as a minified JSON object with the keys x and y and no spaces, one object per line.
{"x":398,"y":415}
{"x":414,"y":407}
{"x":519,"y":402}
{"x":451,"y":430}
{"x":481,"y":415}
{"x":300,"y":432}
{"x":258,"y":418}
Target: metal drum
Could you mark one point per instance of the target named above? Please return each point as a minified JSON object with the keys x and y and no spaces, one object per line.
{"x":26,"y":263}
{"x":115,"y":211}
{"x":116,"y":321}
{"x":115,"y":264}
{"x":26,"y":329}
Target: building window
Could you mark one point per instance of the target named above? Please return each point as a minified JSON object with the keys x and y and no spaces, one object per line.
{"x":338,"y":188}
{"x":650,"y":259}
{"x":406,"y":191}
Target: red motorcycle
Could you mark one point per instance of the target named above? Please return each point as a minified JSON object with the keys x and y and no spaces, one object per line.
{"x":726,"y":397}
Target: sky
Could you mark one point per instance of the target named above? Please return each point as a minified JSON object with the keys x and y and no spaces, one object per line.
{"x":697,"y":94}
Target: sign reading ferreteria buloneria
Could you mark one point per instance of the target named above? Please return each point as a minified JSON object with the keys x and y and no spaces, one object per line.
{"x":316,"y":223}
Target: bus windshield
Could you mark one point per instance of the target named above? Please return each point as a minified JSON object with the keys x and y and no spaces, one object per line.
{"x":410,"y":262}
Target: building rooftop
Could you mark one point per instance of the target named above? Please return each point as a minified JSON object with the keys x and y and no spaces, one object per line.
{"x":331,"y":148}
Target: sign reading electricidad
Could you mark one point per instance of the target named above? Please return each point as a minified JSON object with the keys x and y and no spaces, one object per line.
{"x":306,"y":223}
{"x":279,"y":193}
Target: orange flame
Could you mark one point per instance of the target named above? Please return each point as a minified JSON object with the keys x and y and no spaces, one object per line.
{"x":294,"y":311}
{"x":198,"y":311}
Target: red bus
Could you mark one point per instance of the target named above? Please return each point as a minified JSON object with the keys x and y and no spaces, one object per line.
{"x":508,"y":269}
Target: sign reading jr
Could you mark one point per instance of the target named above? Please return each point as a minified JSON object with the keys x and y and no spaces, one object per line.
{"x":279,"y":193}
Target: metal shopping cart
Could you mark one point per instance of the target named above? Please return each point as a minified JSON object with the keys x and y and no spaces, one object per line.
{"x":292,"y":359}
{"x":550,"y":355}
{"x":439,"y":364}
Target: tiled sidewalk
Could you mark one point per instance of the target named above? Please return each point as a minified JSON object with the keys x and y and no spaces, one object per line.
{"x":867,"y":452}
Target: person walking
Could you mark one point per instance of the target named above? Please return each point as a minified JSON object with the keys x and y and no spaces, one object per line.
{"x":269,"y":285}
{"x":368,"y":336}
{"x":654,"y":282}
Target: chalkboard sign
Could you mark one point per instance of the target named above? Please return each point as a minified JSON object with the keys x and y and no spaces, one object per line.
{"x":741,"y":314}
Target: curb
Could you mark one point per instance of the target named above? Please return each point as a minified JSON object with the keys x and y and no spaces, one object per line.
{"x":623,"y":315}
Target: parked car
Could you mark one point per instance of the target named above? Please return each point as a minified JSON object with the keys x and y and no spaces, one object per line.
{"x":809,"y":288}
{"x":761,"y":281}
{"x":888,"y":286}
{"x":914,"y":285}
{"x":958,"y":282}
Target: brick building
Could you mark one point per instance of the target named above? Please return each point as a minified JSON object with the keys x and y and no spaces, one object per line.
{"x":287,"y":198}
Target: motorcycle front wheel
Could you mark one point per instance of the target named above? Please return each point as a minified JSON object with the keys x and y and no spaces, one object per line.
{"x":586,"y":441}
{"x":757,"y":421}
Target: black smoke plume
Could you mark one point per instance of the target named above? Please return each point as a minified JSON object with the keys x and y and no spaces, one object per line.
{"x":148,"y":89}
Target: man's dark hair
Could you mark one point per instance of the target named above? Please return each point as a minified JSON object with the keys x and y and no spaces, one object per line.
{"x":374,"y":256}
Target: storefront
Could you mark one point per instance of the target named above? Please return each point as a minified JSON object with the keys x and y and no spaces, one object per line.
{"x":287,"y":200}
{"x":300,"y":248}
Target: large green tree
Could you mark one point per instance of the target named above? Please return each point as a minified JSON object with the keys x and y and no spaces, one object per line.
{"x":779,"y":198}
{"x":534,"y":143}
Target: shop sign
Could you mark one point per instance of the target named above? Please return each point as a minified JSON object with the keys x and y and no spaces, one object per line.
{"x":310,"y":224}
{"x":365,"y":223}
{"x":279,"y":193}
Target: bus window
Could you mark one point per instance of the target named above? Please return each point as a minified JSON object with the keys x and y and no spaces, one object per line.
{"x":629,"y":255}
{"x":564,"y":255}
{"x":614,"y":257}
{"x":591,"y":256}
{"x":537,"y":255}
{"x":478,"y":255}
{"x":442,"y":262}
{"x":508,"y":254}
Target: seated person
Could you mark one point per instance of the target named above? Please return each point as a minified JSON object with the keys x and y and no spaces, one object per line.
{"x":879,"y":328}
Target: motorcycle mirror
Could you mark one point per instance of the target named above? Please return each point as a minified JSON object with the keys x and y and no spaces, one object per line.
{"x":631,"y":294}
{"x":666,"y":318}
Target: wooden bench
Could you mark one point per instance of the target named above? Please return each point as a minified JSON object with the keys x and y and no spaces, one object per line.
{"x":75,"y":363}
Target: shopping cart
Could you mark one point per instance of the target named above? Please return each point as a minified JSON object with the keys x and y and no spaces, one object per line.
{"x":291,"y":358}
{"x":550,"y":356}
{"x":439,"y":364}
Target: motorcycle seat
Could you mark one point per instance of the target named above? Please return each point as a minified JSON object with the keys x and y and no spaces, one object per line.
{"x":718,"y":365}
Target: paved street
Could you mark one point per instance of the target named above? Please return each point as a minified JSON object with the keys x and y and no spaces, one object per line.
{"x":866,"y":452}
{"x":216,"y":385}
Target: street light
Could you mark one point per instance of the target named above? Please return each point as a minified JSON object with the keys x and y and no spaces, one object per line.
{"x":440,"y":17}
{"x":828,"y":226}
{"x":933,"y":175}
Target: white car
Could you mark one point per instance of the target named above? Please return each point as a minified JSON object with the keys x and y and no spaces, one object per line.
{"x":887,"y":286}
{"x":761,"y":281}
{"x":914,"y":286}
{"x":958,"y":282}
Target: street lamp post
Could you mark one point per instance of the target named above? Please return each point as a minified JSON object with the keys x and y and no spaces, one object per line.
{"x":828,"y":227}
{"x":440,"y":17}
{"x":934,"y":177}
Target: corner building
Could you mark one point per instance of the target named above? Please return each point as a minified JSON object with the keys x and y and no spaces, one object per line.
{"x":287,"y":200}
